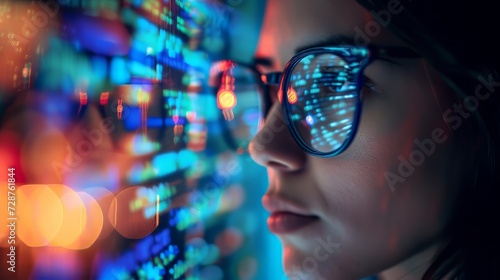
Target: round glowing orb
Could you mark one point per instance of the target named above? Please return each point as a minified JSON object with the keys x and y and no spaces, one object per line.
{"x":74,"y":216}
{"x":226,"y":99}
{"x":40,"y":214}
{"x":92,"y":221}
{"x":127,"y":212}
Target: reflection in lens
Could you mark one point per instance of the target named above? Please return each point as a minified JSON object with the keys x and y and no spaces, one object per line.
{"x":324,"y":86}
{"x":291,"y":95}
{"x":242,"y":121}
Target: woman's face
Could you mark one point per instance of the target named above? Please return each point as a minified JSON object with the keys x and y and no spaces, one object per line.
{"x":388,"y":196}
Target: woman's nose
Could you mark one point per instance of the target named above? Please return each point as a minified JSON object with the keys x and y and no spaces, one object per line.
{"x":274,"y":146}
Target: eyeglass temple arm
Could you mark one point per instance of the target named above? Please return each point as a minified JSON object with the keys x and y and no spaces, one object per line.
{"x":398,"y":52}
{"x":273,"y":78}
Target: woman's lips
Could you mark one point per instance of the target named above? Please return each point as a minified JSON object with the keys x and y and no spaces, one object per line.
{"x":287,"y":222}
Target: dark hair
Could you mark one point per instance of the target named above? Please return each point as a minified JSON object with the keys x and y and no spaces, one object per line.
{"x":458,"y":39}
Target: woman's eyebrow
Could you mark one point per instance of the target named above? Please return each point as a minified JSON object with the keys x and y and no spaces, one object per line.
{"x":334,"y":40}
{"x":384,"y":53}
{"x":344,"y":40}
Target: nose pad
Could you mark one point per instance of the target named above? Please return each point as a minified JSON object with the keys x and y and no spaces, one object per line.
{"x":274,"y":145}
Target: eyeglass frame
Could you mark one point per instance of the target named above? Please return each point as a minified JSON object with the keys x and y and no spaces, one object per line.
{"x":280,"y":78}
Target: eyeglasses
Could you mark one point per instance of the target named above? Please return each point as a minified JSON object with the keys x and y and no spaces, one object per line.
{"x":320,"y":93}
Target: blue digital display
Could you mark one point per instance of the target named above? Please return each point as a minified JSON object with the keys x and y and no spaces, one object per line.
{"x":118,"y":178}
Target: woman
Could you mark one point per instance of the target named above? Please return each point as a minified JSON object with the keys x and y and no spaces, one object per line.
{"x":407,"y":188}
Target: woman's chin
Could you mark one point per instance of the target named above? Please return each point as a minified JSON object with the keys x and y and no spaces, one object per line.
{"x":304,"y":265}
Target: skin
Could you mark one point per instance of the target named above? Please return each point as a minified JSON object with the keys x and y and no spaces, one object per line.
{"x":390,"y":232}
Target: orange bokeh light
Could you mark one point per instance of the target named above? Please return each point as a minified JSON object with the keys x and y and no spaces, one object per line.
{"x":40,"y":214}
{"x":55,"y":215}
{"x":226,"y":99}
{"x":104,"y":198}
{"x":292,"y":96}
{"x":74,"y":216}
{"x":104,"y":98}
{"x":93,"y":223}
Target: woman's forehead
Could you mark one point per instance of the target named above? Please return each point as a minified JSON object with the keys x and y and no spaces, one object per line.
{"x":293,"y":24}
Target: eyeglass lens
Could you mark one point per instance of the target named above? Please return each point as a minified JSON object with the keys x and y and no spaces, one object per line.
{"x":322,"y":99}
{"x":322,"y":96}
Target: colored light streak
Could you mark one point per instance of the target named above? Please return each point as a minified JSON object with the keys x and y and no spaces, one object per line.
{"x":161,"y":207}
{"x":219,"y":67}
{"x":104,"y":98}
{"x":228,"y":114}
{"x":119,"y":109}
{"x":83,"y":98}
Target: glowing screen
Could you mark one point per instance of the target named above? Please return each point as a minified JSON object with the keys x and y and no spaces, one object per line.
{"x":107,"y":118}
